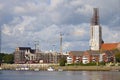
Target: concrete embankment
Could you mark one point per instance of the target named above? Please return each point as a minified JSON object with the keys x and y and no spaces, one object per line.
{"x":65,"y":68}
{"x":30,"y":66}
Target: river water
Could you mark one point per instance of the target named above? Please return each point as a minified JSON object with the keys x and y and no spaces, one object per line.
{"x":55,"y":75}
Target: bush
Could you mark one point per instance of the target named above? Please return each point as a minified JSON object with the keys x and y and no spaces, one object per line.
{"x":81,"y":64}
{"x":102,"y":63}
{"x":62,"y":62}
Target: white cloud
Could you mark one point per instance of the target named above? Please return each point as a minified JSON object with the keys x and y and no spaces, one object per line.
{"x":85,"y":10}
{"x":79,"y":32}
{"x":55,"y":3}
{"x":66,"y":45}
{"x":1,"y":6}
{"x":19,"y":9}
{"x":6,"y":30}
{"x":19,"y":24}
{"x":110,"y":35}
{"x":44,"y":19}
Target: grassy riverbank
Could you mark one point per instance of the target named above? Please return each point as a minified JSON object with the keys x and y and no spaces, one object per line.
{"x":89,"y":68}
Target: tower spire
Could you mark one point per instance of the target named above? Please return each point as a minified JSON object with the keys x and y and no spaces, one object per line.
{"x":95,"y":31}
{"x":95,"y":18}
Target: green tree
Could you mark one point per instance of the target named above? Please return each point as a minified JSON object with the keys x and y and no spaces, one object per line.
{"x":62,"y":61}
{"x":1,"y":56}
{"x":117,"y":55}
{"x":8,"y":58}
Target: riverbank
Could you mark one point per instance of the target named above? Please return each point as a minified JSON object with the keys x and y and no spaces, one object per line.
{"x":30,"y":66}
{"x":56,"y":67}
{"x":89,"y":68}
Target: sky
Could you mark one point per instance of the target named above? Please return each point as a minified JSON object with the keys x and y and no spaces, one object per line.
{"x":23,"y":22}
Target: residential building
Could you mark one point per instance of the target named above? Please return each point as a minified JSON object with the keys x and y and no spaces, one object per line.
{"x":108,"y":56}
{"x":90,"y":56}
{"x":74,"y":57}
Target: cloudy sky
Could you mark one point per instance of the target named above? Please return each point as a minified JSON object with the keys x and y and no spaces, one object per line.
{"x":23,"y":22}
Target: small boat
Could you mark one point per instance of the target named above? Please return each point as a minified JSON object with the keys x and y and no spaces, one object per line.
{"x":60,"y":69}
{"x":17,"y":69}
{"x":26,"y":68}
{"x":36,"y":69}
{"x":0,"y":68}
{"x":50,"y":69}
{"x":22,"y":69}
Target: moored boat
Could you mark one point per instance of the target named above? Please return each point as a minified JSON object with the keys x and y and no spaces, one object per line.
{"x":0,"y":68}
{"x":50,"y":69}
{"x":36,"y":69}
{"x":60,"y":69}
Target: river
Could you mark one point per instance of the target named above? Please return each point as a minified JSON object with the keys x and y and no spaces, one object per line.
{"x":55,"y":75}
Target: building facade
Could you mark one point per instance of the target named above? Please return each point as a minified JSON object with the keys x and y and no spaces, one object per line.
{"x":24,"y":55}
{"x":74,"y":57}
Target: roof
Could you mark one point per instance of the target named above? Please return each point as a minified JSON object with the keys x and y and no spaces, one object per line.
{"x":93,"y":52}
{"x":27,"y":48}
{"x":109,"y":46}
{"x":24,"y":48}
{"x":76,"y":53}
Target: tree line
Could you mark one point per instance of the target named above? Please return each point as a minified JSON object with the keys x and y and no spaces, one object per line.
{"x":6,"y":58}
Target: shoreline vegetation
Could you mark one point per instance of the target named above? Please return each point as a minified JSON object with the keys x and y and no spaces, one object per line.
{"x":43,"y":67}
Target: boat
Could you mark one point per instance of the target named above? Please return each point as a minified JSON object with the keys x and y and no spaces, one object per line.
{"x":50,"y":69}
{"x":22,"y":69}
{"x":60,"y":69}
{"x":17,"y":69}
{"x":0,"y":68}
{"x":26,"y":68}
{"x":36,"y":69}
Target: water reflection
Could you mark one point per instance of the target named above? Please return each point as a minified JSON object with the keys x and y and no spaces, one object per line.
{"x":102,"y":75}
{"x":64,"y":75}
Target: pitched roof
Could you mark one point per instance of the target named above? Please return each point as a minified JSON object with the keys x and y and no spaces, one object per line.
{"x":76,"y":53}
{"x":24,"y":48}
{"x":93,"y":52}
{"x":27,"y":48}
{"x":109,"y":46}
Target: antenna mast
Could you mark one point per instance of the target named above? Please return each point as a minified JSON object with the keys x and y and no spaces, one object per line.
{"x":36,"y":46}
{"x":61,"y":43}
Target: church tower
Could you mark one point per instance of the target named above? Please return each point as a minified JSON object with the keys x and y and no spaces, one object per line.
{"x":95,"y":32}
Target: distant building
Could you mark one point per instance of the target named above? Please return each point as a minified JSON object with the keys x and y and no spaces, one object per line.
{"x":74,"y":57}
{"x":108,"y":56}
{"x":49,"y":57}
{"x":27,"y":55}
{"x":95,"y":32}
{"x":23,"y":54}
{"x":90,"y":56}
